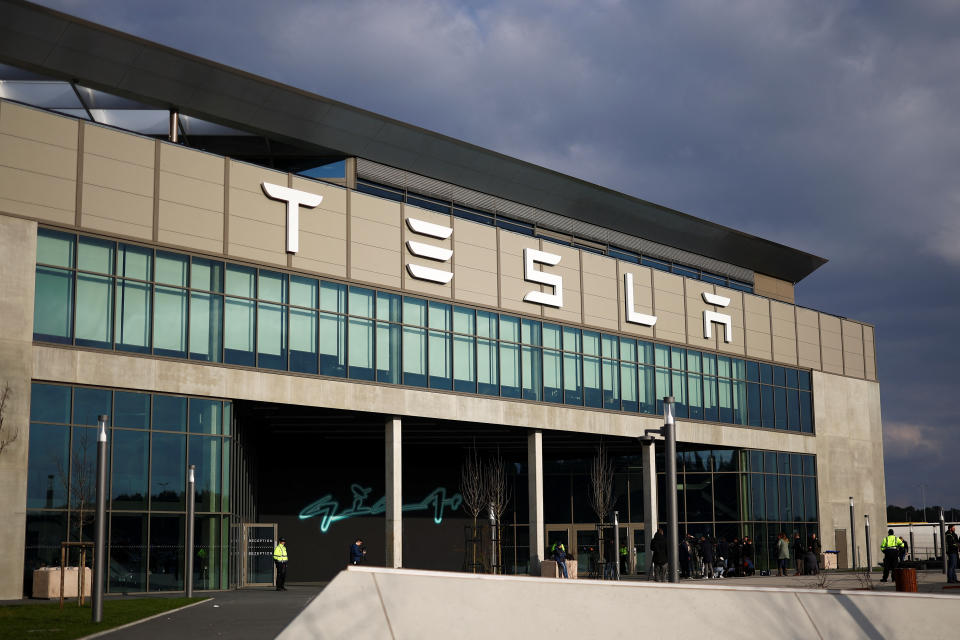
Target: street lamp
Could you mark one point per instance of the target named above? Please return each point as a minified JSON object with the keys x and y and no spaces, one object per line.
{"x":853,"y":538}
{"x":100,"y":523}
{"x":670,"y":453}
{"x":866,"y":531}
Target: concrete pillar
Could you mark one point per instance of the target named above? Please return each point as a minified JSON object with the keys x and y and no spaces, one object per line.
{"x":650,"y":517}
{"x":535,"y":490}
{"x":18,"y":247}
{"x":394,"y":493}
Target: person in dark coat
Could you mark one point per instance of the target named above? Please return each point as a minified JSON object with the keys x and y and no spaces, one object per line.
{"x":706,"y":554}
{"x":799,"y":551}
{"x":723,"y":550}
{"x":357,"y":551}
{"x":658,"y":546}
{"x":735,"y":550}
{"x":746,"y":552}
{"x":813,"y":546}
{"x":684,"y":558}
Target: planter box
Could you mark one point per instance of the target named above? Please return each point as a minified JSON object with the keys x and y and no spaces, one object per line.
{"x":548,"y":569}
{"x":46,"y":582}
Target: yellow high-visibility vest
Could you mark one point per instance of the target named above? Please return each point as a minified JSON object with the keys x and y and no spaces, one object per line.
{"x":890,"y":542}
{"x":280,"y":553}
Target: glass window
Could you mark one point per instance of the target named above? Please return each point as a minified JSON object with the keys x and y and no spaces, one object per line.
{"x":766,"y":406}
{"x":205,"y":415}
{"x":206,"y":322}
{"x":272,"y":286}
{"x":796,"y":495}
{"x":628,"y":387}
{"x":530,"y":332}
{"x":238,"y":330}
{"x":303,"y":338}
{"x":693,"y":361}
{"x":810,"y":499}
{"x":333,"y":297}
{"x":130,"y":460}
{"x":55,"y":248}
{"x":414,"y":344}
{"x":128,"y":553}
{"x":83,"y":470}
{"x":552,"y":373}
{"x":388,"y":307}
{"x":695,"y":395}
{"x":647,"y":393}
{"x":361,"y":302}
{"x":509,"y":329}
{"x":698,"y":488}
{"x":166,"y":553}
{"x":333,"y":343}
{"x":440,"y":316}
{"x":766,"y":373}
{"x":710,"y":411}
{"x":609,"y":372}
{"x":171,"y":268}
{"x":757,"y":501}
{"x":551,"y":336}
{"x":441,"y":355}
{"x":628,"y":349}
{"x":572,"y":376}
{"x":132,"y":315}
{"x":415,"y":312}
{"x":94,"y":311}
{"x":780,"y":404}
{"x":168,"y":472}
{"x":89,"y":404}
{"x":771,"y":491}
{"x":645,"y":352}
{"x":388,"y":350}
{"x":241,"y":281}
{"x":808,"y":465}
{"x":679,"y":392}
{"x":804,"y":380}
{"x":739,"y":402}
{"x":44,"y":533}
{"x":677,"y":358}
{"x":170,"y":322}
{"x":205,"y":454}
{"x":464,"y":352}
{"x":131,"y":410}
{"x":806,"y":412}
{"x":272,"y":336}
{"x":608,"y":346}
{"x":793,"y":409}
{"x":95,"y":254}
{"x":47,"y":478}
{"x":724,"y":400}
{"x":487,"y":324}
{"x":53,"y":305}
{"x":531,"y":370}
{"x":792,"y":379}
{"x":509,"y":359}
{"x":49,"y":403}
{"x":206,"y":275}
{"x":169,"y":413}
{"x":779,"y":376}
{"x":488,"y":379}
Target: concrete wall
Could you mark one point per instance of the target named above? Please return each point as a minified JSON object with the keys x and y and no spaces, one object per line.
{"x":18,"y":246}
{"x":849,"y":458}
{"x":366,"y":603}
{"x":88,"y":177}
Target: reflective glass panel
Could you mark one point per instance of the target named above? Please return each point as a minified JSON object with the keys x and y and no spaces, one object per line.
{"x":133,"y":315}
{"x":168,"y":474}
{"x":128,"y":553}
{"x":206,"y":322}
{"x":95,"y":254}
{"x":131,"y":410}
{"x":166,"y":553}
{"x":130,"y":453}
{"x":50,"y":403}
{"x":170,"y":322}
{"x":53,"y":305}
{"x":55,"y":248}
{"x":169,"y":413}
{"x":552,"y":375}
{"x":205,"y":415}
{"x":47,"y":479}
{"x":333,"y":344}
{"x":89,"y":404}
{"x":205,"y":454}
{"x":388,"y":352}
{"x":94,"y":311}
{"x":272,"y":336}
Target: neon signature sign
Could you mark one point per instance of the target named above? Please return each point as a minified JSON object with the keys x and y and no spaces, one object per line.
{"x":329,"y":509}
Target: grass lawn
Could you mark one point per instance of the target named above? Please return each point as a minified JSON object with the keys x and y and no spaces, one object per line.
{"x":47,"y":621}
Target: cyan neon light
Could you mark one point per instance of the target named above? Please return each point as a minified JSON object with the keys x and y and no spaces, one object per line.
{"x":328,"y":508}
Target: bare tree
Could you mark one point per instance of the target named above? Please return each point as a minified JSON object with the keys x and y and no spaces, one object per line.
{"x":8,"y":433}
{"x":498,"y":497}
{"x":601,"y":484}
{"x":473,"y":490}
{"x":79,"y":479}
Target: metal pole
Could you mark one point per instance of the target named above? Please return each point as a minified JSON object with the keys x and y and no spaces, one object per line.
{"x":100,"y":524}
{"x":866,"y":531}
{"x":616,"y":545}
{"x":943,"y":542}
{"x":493,"y":538}
{"x":913,"y":550}
{"x":853,"y":537}
{"x":174,"y":126}
{"x":191,"y":483}
{"x":670,"y":453}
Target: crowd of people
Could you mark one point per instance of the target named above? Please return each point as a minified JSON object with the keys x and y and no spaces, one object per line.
{"x":716,"y":558}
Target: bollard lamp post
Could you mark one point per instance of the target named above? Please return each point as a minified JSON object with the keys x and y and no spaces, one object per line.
{"x":866,"y":531}
{"x":670,"y":453}
{"x":616,"y":545}
{"x":99,"y":523}
{"x":943,"y":541}
{"x":853,"y":538}
{"x":191,"y":508}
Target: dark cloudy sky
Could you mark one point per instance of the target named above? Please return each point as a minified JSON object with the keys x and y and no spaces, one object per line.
{"x":832,"y":126}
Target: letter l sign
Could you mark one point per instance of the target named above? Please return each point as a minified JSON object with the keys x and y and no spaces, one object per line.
{"x":294,"y":198}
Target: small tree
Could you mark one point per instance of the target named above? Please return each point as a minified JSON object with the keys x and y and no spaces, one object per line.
{"x":8,"y":432}
{"x":473,"y":490}
{"x":601,"y":484}
{"x":498,"y":497}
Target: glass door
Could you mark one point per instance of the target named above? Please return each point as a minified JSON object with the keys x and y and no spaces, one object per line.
{"x":639,"y":551}
{"x":556,"y":534}
{"x":587,"y":552}
{"x":259,"y":541}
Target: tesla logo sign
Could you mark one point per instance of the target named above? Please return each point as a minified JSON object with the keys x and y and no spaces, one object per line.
{"x":533,"y":259}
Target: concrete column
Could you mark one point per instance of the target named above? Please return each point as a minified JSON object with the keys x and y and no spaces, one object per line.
{"x":535,"y":489}
{"x":650,"y":517}
{"x":18,"y":246}
{"x":394,"y":493}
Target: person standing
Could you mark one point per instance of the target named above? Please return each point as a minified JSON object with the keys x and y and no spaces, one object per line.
{"x":783,"y":554}
{"x":560,"y":556}
{"x":706,"y":555}
{"x":903,"y":550}
{"x":814,"y":547}
{"x":723,"y":550}
{"x":952,"y":546}
{"x":280,"y":558}
{"x":799,"y":551}
{"x":890,"y":547}
{"x":658,"y":546}
{"x":746,"y":551}
{"x":357,"y":552}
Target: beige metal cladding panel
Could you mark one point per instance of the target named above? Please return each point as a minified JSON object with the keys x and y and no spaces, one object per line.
{"x":852,"y":348}
{"x":601,"y":307}
{"x":784,"y":333}
{"x":38,"y":164}
{"x":118,"y":177}
{"x":669,"y":307}
{"x":425,"y":286}
{"x":512,"y":285}
{"x":831,"y":344}
{"x":475,"y":262}
{"x":323,"y":230}
{"x":756,"y":315}
{"x":190,"y":209}
{"x":869,"y":353}
{"x":375,"y":240}
{"x":257,"y":224}
{"x":808,"y":338}
{"x":642,"y":297}
{"x":695,"y":306}
{"x":569,"y":269}
{"x":735,"y":311}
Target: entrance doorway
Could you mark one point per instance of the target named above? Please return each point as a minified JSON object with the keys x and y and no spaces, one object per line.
{"x":259,"y":541}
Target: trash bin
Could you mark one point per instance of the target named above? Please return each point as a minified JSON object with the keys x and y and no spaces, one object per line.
{"x":905,"y":579}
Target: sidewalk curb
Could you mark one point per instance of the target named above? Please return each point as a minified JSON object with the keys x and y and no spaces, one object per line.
{"x":136,"y":622}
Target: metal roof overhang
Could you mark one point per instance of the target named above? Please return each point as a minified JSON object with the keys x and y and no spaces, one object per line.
{"x":65,"y":47}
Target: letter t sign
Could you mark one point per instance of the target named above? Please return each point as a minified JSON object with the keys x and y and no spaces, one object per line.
{"x":294,"y":198}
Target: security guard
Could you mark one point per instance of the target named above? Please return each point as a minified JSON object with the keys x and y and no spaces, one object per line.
{"x":280,"y":559}
{"x":891,"y":553}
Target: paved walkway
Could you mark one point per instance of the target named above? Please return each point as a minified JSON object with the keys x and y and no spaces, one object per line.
{"x":248,"y":614}
{"x":927,"y":582}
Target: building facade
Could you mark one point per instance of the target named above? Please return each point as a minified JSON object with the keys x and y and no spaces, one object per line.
{"x":326,"y":311}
